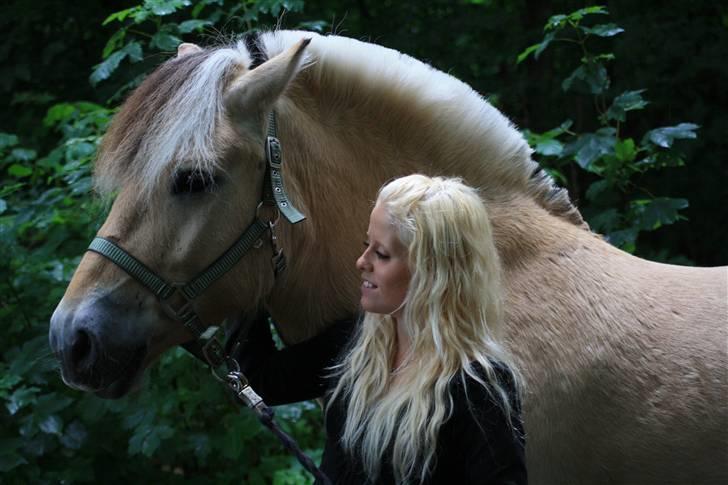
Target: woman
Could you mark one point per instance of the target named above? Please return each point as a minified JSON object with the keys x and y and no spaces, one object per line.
{"x":423,"y":391}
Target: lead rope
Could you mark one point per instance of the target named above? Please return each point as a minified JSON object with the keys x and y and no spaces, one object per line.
{"x":265,"y":414}
{"x":212,"y":355}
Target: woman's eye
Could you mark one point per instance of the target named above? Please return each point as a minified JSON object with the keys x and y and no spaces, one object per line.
{"x":382,"y":255}
{"x":193,"y":182}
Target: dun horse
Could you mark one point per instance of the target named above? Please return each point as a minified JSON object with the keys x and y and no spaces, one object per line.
{"x":625,"y":359}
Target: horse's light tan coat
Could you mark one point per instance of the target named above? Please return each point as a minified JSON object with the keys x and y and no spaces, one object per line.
{"x":625,"y":359}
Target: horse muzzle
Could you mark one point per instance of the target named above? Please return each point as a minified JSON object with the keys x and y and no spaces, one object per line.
{"x":98,"y":347}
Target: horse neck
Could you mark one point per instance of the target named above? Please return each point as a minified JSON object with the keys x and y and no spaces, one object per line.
{"x":339,"y":150}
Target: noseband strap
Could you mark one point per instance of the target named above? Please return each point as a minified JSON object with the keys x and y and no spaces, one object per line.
{"x":191,"y":290}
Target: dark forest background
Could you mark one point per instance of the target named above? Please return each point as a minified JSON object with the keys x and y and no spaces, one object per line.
{"x":624,"y":104}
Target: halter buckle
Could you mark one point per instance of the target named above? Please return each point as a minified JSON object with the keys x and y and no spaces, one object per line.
{"x":182,"y":312}
{"x":272,"y":209}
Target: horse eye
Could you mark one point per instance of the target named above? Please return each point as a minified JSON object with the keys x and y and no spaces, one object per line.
{"x":193,"y":182}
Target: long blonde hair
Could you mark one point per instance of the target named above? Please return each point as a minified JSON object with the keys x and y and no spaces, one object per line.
{"x":452,"y":314}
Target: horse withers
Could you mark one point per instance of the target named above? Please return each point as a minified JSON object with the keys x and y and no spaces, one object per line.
{"x":625,"y":359}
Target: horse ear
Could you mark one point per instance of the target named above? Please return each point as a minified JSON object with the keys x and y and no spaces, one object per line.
{"x":187,"y":48}
{"x":251,"y":95}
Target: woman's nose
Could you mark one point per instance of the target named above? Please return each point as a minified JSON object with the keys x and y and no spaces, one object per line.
{"x":361,"y":263}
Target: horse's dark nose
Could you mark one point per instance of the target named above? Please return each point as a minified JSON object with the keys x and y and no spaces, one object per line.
{"x":98,"y":351}
{"x":83,"y":352}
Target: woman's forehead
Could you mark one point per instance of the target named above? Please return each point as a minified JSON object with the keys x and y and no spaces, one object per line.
{"x":382,"y":230}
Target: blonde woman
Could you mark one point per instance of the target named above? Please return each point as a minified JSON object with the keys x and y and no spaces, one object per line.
{"x":419,"y":390}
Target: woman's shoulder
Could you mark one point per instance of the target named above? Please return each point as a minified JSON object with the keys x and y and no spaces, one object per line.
{"x":497,"y":372}
{"x":484,"y":388}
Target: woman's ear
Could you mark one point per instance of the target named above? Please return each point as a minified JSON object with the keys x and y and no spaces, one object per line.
{"x":251,"y":95}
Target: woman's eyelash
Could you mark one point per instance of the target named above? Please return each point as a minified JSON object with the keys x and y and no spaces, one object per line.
{"x":379,"y":254}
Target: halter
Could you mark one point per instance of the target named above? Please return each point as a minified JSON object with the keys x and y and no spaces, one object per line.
{"x":177,"y":298}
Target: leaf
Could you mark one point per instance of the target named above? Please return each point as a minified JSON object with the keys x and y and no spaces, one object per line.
{"x":7,"y":140}
{"x":52,"y":425}
{"x":7,"y":380}
{"x":165,"y":42}
{"x":591,"y":146}
{"x":74,"y":436}
{"x":189,"y":25}
{"x":197,"y":9}
{"x":21,"y":398}
{"x":549,"y":148}
{"x":120,"y":16}
{"x":10,"y":460}
{"x":663,"y":137}
{"x":79,"y":149}
{"x":603,"y":30}
{"x":146,"y":439}
{"x":624,"y":239}
{"x":23,"y":154}
{"x":651,"y":214}
{"x":103,"y":71}
{"x":200,"y":444}
{"x":51,"y":403}
{"x":134,"y":49}
{"x":59,"y":113}
{"x":527,"y":52}
{"x":165,"y":7}
{"x":577,"y":15}
{"x":113,"y":43}
{"x":546,"y":143}
{"x":625,"y":150}
{"x":19,"y":171}
{"x":596,"y":189}
{"x":536,"y":49}
{"x":555,"y":22}
{"x":590,"y":78}
{"x":627,"y":101}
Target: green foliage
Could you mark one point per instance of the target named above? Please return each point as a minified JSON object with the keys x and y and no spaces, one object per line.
{"x":159,"y":26}
{"x":615,"y":204}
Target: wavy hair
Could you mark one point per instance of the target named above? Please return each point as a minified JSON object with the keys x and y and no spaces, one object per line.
{"x":452,"y":315}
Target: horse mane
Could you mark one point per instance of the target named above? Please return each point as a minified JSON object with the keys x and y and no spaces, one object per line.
{"x":171,"y":119}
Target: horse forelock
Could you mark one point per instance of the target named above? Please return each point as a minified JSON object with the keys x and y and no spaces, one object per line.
{"x":170,"y":120}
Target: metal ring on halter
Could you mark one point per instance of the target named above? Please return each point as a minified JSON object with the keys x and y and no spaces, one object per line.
{"x":275,"y":212}
{"x":232,"y":366}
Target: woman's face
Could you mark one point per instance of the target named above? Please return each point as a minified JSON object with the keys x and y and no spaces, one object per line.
{"x":383,"y":267}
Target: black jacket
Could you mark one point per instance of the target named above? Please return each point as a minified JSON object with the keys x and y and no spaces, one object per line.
{"x":476,"y":445}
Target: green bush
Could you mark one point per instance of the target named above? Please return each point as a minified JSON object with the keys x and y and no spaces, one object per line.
{"x":616,"y":205}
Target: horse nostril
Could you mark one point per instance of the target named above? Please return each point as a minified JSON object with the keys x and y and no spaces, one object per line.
{"x":82,"y":350}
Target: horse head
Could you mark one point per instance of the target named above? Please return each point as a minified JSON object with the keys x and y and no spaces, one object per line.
{"x":184,"y":157}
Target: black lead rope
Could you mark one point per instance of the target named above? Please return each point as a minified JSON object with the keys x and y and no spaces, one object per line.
{"x":239,"y":385}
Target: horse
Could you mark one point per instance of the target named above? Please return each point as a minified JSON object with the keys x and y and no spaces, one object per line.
{"x":624,"y":359}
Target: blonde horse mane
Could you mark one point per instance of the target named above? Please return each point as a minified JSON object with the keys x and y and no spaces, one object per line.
{"x":171,"y":119}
